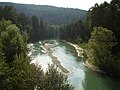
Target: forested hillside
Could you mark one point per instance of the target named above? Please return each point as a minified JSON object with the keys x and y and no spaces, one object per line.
{"x":54,"y":15}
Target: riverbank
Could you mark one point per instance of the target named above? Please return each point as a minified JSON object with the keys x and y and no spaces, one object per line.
{"x":80,"y":52}
{"x":55,"y":61}
{"x":92,"y":67}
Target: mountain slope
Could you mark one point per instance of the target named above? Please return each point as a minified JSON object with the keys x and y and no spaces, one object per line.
{"x":54,"y":15}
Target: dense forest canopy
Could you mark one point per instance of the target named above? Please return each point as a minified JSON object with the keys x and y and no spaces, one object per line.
{"x":51,"y":14}
{"x":106,"y":15}
{"x":36,"y":29}
{"x":75,"y":32}
{"x":16,"y":70}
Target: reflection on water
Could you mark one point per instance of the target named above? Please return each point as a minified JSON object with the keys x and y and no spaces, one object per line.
{"x":100,"y":82}
{"x":81,"y":77}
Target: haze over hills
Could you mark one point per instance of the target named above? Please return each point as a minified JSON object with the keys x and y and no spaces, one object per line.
{"x":52,"y":14}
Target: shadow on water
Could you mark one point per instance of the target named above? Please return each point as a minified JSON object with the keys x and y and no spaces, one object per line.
{"x":97,"y":81}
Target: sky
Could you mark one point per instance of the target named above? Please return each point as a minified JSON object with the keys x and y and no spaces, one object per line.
{"x":80,"y":4}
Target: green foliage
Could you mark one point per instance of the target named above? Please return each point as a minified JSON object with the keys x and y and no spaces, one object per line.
{"x":13,"y":43}
{"x":9,"y":13}
{"x":54,"y":15}
{"x":23,"y":74}
{"x":100,"y":46}
{"x":34,"y":28}
{"x":4,"y":69}
{"x":24,"y":23}
{"x":52,"y":80}
{"x":74,"y":32}
{"x":55,"y":80}
{"x":106,"y":15}
{"x":16,"y":71}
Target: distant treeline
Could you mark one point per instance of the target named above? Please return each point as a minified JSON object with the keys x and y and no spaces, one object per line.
{"x":75,"y":32}
{"x":51,"y":14}
{"x":35,"y":28}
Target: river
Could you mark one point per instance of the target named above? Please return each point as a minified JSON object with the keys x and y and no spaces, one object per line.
{"x":70,"y":63}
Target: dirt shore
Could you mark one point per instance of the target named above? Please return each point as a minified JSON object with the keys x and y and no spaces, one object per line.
{"x":92,"y":67}
{"x":80,"y":52}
